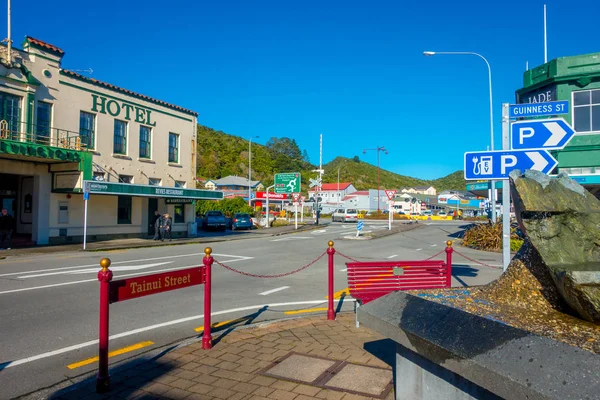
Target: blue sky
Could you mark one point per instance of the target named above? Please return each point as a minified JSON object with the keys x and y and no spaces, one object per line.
{"x":351,"y":70}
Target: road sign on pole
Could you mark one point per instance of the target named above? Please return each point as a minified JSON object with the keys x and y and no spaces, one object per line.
{"x":287,"y":182}
{"x":314,"y":182}
{"x":553,"y":133}
{"x":498,"y":164}
{"x":295,"y":196}
{"x":390,"y":194}
{"x":538,"y":109}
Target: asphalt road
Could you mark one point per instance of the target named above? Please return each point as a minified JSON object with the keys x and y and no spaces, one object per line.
{"x":49,"y":303}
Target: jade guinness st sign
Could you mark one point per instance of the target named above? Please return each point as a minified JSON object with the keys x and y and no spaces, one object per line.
{"x":151,"y":191}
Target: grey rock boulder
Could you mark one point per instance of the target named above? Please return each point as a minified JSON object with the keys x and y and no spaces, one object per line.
{"x":562,"y":221}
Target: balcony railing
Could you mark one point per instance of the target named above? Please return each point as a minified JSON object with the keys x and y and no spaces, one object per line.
{"x":56,"y":137}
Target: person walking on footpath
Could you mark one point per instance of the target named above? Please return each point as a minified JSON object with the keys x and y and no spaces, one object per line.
{"x":156,"y":225}
{"x":6,"y":228}
{"x":167,"y":224}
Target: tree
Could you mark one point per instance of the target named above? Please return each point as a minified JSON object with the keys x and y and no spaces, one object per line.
{"x":356,"y":159}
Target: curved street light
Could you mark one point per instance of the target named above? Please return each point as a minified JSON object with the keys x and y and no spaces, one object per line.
{"x":250,"y":169}
{"x":470,"y":53}
{"x":378,"y":150}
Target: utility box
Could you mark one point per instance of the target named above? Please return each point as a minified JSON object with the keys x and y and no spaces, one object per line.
{"x":192,"y":229}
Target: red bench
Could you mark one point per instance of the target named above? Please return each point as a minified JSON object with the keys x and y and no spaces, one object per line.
{"x":368,"y":281}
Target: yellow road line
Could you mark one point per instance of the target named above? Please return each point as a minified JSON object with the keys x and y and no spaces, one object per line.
{"x":124,"y":350}
{"x":308,"y":310}
{"x":340,"y":293}
{"x":220,"y":324}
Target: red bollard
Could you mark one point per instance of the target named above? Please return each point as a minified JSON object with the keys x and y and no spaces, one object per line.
{"x":449,"y":251}
{"x":105,"y":275}
{"x":206,"y":336}
{"x":330,"y":310}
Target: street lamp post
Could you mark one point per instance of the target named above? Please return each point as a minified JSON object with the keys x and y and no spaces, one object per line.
{"x":377,"y":149}
{"x":469,"y":53}
{"x":338,"y":184}
{"x":250,"y":169}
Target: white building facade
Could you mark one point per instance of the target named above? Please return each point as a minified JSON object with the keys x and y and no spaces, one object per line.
{"x":59,"y":129}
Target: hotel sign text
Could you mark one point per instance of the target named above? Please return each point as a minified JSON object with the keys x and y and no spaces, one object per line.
{"x":121,"y":109}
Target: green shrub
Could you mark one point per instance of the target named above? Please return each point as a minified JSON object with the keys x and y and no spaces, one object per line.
{"x":228,"y":206}
{"x":515,"y":244}
{"x":279,"y":222}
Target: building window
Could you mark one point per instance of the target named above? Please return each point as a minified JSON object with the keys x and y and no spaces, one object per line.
{"x":154,"y":181}
{"x":179,"y":184}
{"x":145,"y":142}
{"x":98,"y":176}
{"x":124,"y":210}
{"x":173,"y":148}
{"x":10,"y":111}
{"x":43,"y":118}
{"x":586,"y":111}
{"x":179,"y":213}
{"x":120,"y":139}
{"x":87,"y":124}
{"x":125,"y":179}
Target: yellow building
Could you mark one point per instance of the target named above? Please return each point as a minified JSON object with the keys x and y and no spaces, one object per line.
{"x":59,"y":129}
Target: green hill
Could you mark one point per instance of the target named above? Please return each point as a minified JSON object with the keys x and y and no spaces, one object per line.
{"x":220,"y":154}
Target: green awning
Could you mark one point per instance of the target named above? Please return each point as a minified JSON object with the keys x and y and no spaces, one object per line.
{"x":124,"y":189}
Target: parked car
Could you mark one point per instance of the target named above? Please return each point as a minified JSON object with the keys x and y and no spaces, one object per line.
{"x":345,"y":215}
{"x":442,"y":214}
{"x":241,"y":221}
{"x":214,"y":220}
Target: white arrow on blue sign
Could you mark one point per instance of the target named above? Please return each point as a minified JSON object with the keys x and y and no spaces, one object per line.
{"x":498,"y":164}
{"x":359,"y":226}
{"x":553,"y":133}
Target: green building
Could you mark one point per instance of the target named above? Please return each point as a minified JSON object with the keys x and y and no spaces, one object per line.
{"x":576,"y":79}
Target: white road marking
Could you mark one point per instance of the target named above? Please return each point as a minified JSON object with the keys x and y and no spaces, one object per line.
{"x":113,"y":263}
{"x":344,"y":270}
{"x":393,"y":255}
{"x":11,"y":364}
{"x":418,"y":249}
{"x":95,"y":270}
{"x":291,"y":238}
{"x":116,"y":277}
{"x":274,"y":290}
{"x":433,"y":245}
{"x":319,"y":232}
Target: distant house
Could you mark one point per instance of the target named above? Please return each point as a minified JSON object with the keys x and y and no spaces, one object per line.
{"x":333,"y":192}
{"x":430,"y":190}
{"x":234,"y":186}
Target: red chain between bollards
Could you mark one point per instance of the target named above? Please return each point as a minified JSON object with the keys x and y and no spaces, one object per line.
{"x":104,"y":276}
{"x":330,"y":309}
{"x":206,"y":336}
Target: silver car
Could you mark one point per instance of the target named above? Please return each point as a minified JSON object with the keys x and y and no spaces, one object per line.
{"x":345,"y":215}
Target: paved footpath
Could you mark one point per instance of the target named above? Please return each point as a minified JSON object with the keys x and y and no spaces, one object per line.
{"x":334,"y":359}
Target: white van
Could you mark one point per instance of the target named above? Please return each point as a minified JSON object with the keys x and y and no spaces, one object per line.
{"x":345,"y":215}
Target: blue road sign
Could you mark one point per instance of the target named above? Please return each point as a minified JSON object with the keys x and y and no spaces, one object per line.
{"x":537,"y":109}
{"x":498,"y":164}
{"x":553,"y":133}
{"x":86,"y":196}
{"x":359,"y":226}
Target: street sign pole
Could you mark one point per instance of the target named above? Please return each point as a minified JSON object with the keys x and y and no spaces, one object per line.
{"x":296,"y":215}
{"x":505,"y":191}
{"x":267,"y":213}
{"x":390,"y":215}
{"x":86,"y":197}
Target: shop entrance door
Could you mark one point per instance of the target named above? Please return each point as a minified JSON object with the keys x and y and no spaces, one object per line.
{"x":152,"y":206}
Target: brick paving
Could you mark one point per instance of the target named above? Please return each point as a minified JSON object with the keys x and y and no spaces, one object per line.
{"x":231,"y":370}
